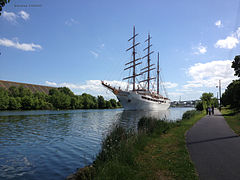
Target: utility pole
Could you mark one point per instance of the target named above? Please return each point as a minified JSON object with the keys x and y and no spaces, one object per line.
{"x":219,"y":87}
{"x":220,"y":94}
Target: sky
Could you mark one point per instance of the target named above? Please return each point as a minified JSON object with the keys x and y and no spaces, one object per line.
{"x":79,"y":43}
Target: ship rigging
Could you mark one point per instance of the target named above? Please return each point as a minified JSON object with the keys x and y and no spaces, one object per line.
{"x":140,"y":98}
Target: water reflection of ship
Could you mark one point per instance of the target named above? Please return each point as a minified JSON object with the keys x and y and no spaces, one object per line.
{"x":129,"y":119}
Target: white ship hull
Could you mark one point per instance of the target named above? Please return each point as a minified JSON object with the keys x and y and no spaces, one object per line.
{"x":135,"y":101}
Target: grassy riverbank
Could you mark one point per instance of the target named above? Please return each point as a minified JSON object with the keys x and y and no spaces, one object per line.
{"x":232,"y":117}
{"x":157,"y":151}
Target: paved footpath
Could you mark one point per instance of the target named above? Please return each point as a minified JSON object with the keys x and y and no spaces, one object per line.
{"x":214,"y":148}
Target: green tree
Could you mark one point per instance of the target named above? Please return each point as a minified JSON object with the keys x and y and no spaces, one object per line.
{"x":46,"y":105}
{"x":66,"y":91}
{"x":89,"y":101}
{"x":41,"y":95}
{"x":113,"y":103}
{"x":14,"y":103}
{"x":59,"y":99}
{"x":2,"y":4}
{"x":4,"y":99}
{"x":206,"y":99}
{"x":74,"y":102}
{"x":36,"y":103}
{"x":79,"y":104}
{"x":27,"y":103}
{"x":236,"y":65}
{"x":215,"y":102}
{"x":231,"y":96}
{"x":199,"y":106}
{"x":53,"y":91}
{"x":108,"y":105}
{"x":24,"y":92}
{"x":13,"y":91}
{"x":101,"y":102}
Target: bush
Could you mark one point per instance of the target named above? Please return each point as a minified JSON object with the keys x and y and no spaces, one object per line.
{"x":199,"y":106}
{"x":151,"y":125}
{"x":188,"y":114}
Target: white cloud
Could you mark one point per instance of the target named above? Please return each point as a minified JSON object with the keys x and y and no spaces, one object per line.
{"x":200,"y":49}
{"x":10,"y":16}
{"x":205,"y":76}
{"x":237,"y":33}
{"x":102,"y":46}
{"x":191,"y":85}
{"x":24,"y":15}
{"x":208,"y":74}
{"x":93,"y":87}
{"x":185,"y":95}
{"x":170,"y":85}
{"x":16,"y":44}
{"x":94,"y":54}
{"x":71,"y":21}
{"x":175,"y":95}
{"x":97,"y":51}
{"x":218,"y":24}
{"x":228,"y":43}
{"x":50,"y":83}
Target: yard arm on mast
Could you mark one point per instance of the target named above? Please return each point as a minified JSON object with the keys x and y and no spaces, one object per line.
{"x":149,"y":52}
{"x":133,"y":63}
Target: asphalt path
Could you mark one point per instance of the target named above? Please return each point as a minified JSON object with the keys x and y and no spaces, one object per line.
{"x":214,"y":148}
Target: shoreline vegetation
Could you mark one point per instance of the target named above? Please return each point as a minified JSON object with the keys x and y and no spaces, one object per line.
{"x":157,"y":150}
{"x":231,"y":99}
{"x":20,"y":98}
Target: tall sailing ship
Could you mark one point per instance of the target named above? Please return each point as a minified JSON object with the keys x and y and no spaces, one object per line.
{"x":142,"y":97}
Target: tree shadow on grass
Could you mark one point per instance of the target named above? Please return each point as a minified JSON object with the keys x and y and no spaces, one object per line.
{"x":235,"y":111}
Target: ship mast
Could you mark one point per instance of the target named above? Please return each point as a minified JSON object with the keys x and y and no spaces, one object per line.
{"x":149,"y":65}
{"x":133,"y":63}
{"x":158,"y":75}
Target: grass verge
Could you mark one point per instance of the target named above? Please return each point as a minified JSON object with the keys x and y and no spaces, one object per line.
{"x":157,"y":151}
{"x":232,"y":116}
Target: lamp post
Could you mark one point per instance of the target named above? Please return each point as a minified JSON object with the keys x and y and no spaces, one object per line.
{"x":219,"y":86}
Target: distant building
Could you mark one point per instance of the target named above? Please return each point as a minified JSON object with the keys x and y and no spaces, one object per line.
{"x":190,"y":103}
{"x":32,"y":87}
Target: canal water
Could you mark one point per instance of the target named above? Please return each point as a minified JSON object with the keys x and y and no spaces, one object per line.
{"x":53,"y":144}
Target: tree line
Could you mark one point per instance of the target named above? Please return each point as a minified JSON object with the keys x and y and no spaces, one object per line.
{"x":20,"y":98}
{"x":231,"y":96}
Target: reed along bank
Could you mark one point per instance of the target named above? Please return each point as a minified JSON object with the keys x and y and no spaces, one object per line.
{"x":157,"y":150}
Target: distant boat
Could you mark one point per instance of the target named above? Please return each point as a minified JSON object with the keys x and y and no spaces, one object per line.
{"x":142,"y":97}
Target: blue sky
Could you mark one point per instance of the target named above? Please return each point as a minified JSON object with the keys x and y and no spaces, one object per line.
{"x":78,"y":43}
